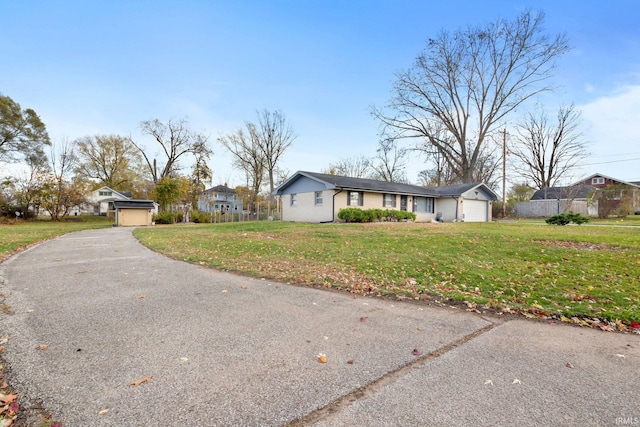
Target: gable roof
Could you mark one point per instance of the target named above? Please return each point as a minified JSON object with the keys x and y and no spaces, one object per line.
{"x":560,"y":193}
{"x":364,"y":184}
{"x":633,"y":184}
{"x":123,"y":194}
{"x":220,"y":189}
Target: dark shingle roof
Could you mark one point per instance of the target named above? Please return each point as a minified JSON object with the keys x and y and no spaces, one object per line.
{"x":350,"y":183}
{"x":133,"y":204}
{"x":571,"y":192}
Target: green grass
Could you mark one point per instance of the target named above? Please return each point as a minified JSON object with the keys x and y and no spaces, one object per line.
{"x":20,"y":234}
{"x":538,"y":270}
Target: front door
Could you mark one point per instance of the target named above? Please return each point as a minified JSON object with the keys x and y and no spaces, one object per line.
{"x":403,"y":203}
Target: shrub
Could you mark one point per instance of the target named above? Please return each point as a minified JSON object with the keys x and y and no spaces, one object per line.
{"x":168,"y":217}
{"x":372,"y":215}
{"x":200,"y":217}
{"x":566,"y":218}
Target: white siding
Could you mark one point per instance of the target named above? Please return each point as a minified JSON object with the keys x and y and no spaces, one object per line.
{"x":306,"y":210}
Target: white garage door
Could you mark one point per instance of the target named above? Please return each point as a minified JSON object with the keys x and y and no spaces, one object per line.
{"x":475,"y":210}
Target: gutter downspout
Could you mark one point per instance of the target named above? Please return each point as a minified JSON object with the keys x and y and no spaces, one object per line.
{"x":333,"y":206}
{"x":457,"y":203}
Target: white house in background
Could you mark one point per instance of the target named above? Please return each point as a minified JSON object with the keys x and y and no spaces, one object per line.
{"x":316,"y":197}
{"x":101,"y":202}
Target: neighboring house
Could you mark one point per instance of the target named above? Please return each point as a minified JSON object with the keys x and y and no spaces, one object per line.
{"x":578,"y":198}
{"x":600,"y":181}
{"x":100,"y":201}
{"x":555,"y":200}
{"x":134,"y":212}
{"x":220,"y":199}
{"x":316,"y":197}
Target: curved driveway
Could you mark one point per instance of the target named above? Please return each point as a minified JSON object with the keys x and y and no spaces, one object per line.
{"x":221,"y":349}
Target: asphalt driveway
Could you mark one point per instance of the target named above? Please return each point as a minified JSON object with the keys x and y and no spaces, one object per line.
{"x":136,"y":339}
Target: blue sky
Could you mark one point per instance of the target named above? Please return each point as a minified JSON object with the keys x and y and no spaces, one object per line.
{"x":92,"y":67}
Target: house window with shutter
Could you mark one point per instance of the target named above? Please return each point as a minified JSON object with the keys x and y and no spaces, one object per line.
{"x":389,"y":201}
{"x":356,"y":198}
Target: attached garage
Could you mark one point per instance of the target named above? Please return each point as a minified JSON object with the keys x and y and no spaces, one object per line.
{"x":130,"y":213}
{"x":475,"y":210}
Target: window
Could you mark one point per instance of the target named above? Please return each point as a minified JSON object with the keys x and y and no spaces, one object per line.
{"x":318,"y":198}
{"x":423,"y":204}
{"x":356,"y":198}
{"x":294,"y":199}
{"x":597,"y":180}
{"x":389,"y":201}
{"x":105,"y":193}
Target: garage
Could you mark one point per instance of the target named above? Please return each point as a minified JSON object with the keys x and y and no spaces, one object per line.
{"x":475,"y":210}
{"x":130,"y":213}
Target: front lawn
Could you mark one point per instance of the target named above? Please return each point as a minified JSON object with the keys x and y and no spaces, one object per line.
{"x":19,"y":234}
{"x":574,"y":273}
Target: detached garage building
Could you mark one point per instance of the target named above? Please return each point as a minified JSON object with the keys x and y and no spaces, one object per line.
{"x":133,"y":212}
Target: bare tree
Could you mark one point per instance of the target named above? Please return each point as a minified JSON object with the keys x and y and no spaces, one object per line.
{"x":112,"y":160}
{"x":61,"y":193}
{"x":176,"y":140}
{"x":355,"y":167}
{"x":275,"y":136}
{"x":389,"y":163}
{"x":467,"y":82}
{"x":546,"y":151}
{"x":248,"y":156}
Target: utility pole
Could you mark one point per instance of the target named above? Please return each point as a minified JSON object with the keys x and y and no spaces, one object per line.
{"x":504,"y":173}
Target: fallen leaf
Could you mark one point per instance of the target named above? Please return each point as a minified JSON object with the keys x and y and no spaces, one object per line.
{"x":42,"y":347}
{"x":6,"y":400}
{"x":569,"y":365}
{"x":362,"y":319}
{"x":140,"y":381}
{"x":420,"y":329}
{"x":635,"y":325}
{"x":244,"y":286}
{"x":224,"y":291}
{"x":103,"y":412}
{"x":516,"y":381}
{"x":620,"y":355}
{"x":4,"y":384}
{"x":1,"y":349}
{"x":322,"y":358}
{"x":350,"y":362}
{"x":4,"y":340}
{"x":416,"y":352}
{"x":488,"y":382}
{"x":141,"y":296}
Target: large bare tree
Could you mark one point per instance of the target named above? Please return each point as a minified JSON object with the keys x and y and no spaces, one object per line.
{"x":175,"y":140}
{"x":112,"y":160}
{"x":389,"y":162}
{"x":465,"y":83}
{"x":546,"y":150}
{"x":355,"y":167}
{"x":248,"y":156}
{"x":275,"y":135}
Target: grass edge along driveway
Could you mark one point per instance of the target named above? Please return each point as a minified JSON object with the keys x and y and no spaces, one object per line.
{"x":583,"y":275}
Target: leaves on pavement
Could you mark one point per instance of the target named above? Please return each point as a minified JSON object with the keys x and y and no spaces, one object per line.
{"x":136,"y":383}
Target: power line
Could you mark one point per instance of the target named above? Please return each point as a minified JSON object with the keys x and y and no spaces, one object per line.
{"x":612,"y":161}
